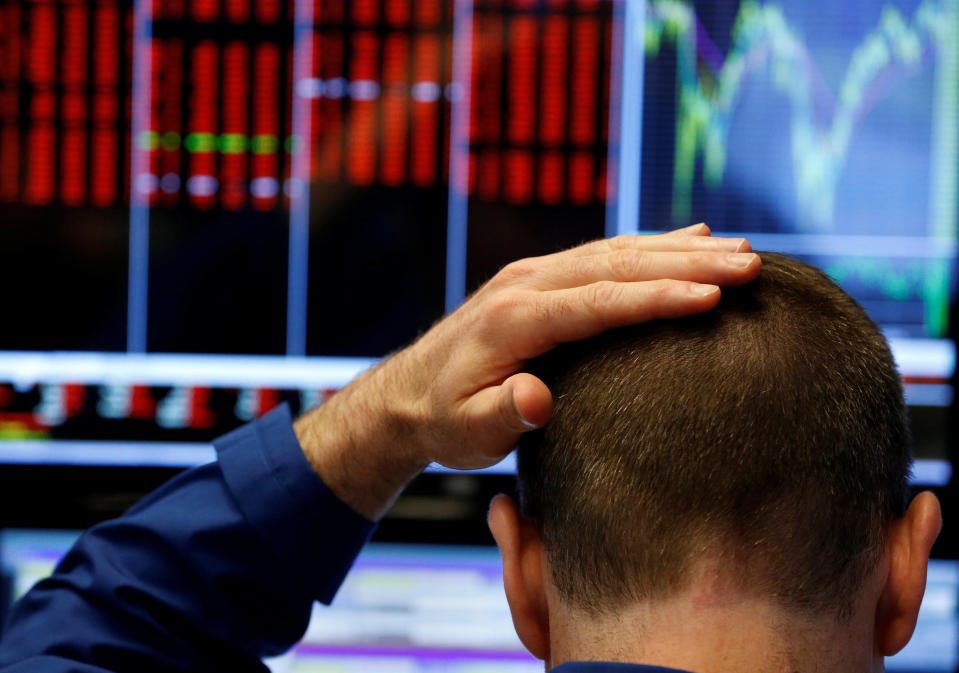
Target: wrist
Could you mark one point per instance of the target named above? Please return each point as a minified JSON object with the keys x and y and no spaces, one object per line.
{"x":361,"y":442}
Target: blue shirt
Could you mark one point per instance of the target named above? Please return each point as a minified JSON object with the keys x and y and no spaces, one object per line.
{"x":603,"y":667}
{"x":212,"y":572}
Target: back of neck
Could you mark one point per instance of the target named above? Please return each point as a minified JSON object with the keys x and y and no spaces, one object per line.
{"x":709,"y":633}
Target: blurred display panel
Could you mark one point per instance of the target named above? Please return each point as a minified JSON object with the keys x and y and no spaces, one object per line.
{"x":266,"y":183}
{"x":440,"y":608}
{"x":210,"y":207}
{"x":539,"y":129}
{"x":826,"y":131}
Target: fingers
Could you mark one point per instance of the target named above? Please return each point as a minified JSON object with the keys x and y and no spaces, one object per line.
{"x":634,"y":258}
{"x":698,"y":229}
{"x":682,"y":239}
{"x":572,"y":314}
{"x":627,"y":265}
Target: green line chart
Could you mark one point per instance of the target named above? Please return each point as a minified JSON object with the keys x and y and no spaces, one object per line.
{"x":764,"y":44}
{"x":923,"y":280}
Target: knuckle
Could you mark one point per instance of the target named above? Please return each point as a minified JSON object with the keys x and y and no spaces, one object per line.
{"x":503,"y":306}
{"x":700,"y":258}
{"x":627,"y":264}
{"x":620,"y":242}
{"x":515,"y":271}
{"x":553,"y":311}
{"x":544,"y":312}
{"x":660,"y":291}
{"x":602,"y":295}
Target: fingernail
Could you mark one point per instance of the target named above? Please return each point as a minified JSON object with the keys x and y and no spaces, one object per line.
{"x":530,"y":426}
{"x":729,"y":244}
{"x":522,"y":419}
{"x":740,"y":259}
{"x":701,"y":290}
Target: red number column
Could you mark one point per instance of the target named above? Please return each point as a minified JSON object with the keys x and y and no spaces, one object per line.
{"x":127,"y":94}
{"x":106,"y":101}
{"x":316,"y":101}
{"x":201,"y":184}
{"x":170,"y":124}
{"x":365,"y":12}
{"x":601,"y":187}
{"x":237,"y":11}
{"x":158,"y":65}
{"x":205,"y":11}
{"x":234,"y":139}
{"x":169,"y":9}
{"x":328,"y":152}
{"x":396,"y":87}
{"x":426,"y":93}
{"x":288,"y":143}
{"x":73,"y":105}
{"x":9,"y":103}
{"x":265,"y":185}
{"x":397,"y":13}
{"x":364,"y":90}
{"x":552,"y":113}
{"x":521,"y":127}
{"x":486,"y":102}
{"x":446,"y":87}
{"x":328,"y":58}
{"x":267,"y":11}
{"x":428,"y":13}
{"x":583,"y":113}
{"x":41,"y":138}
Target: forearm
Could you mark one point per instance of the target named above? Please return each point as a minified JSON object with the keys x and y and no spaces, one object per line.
{"x":213,"y":571}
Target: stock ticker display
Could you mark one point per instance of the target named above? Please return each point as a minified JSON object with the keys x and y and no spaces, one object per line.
{"x":174,"y":122}
{"x":219,"y":83}
{"x":830,"y":131}
{"x":292,"y":180}
{"x":158,"y":161}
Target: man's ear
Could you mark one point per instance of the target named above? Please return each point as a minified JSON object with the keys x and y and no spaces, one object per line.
{"x":522,"y":552}
{"x":908,"y":547}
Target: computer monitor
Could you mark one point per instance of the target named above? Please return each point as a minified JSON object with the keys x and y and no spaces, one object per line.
{"x":211,"y":207}
{"x":825,"y":131}
{"x":284,"y":188}
{"x":427,"y":607}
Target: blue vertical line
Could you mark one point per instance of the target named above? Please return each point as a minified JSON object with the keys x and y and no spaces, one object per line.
{"x":139,"y":263}
{"x":457,"y":210}
{"x":625,"y":119}
{"x":299,"y":186}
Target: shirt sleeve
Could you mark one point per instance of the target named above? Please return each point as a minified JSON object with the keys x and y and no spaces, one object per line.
{"x":215,"y":570}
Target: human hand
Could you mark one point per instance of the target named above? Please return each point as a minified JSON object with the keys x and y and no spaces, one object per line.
{"x":458,"y":395}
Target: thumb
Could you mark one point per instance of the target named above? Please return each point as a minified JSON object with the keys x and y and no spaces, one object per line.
{"x":500,"y":414}
{"x":530,"y":399}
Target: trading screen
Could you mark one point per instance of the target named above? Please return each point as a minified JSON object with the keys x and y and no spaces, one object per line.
{"x":271,"y":184}
{"x":210,"y":207}
{"x":823,"y":130}
{"x":441,"y":609}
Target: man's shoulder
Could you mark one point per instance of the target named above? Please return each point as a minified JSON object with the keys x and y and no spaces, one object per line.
{"x":607,"y":667}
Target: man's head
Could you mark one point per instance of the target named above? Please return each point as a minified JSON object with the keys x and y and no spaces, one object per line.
{"x":767,"y":437}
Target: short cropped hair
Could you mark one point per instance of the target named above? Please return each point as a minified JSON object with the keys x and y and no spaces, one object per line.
{"x":769,"y":434}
